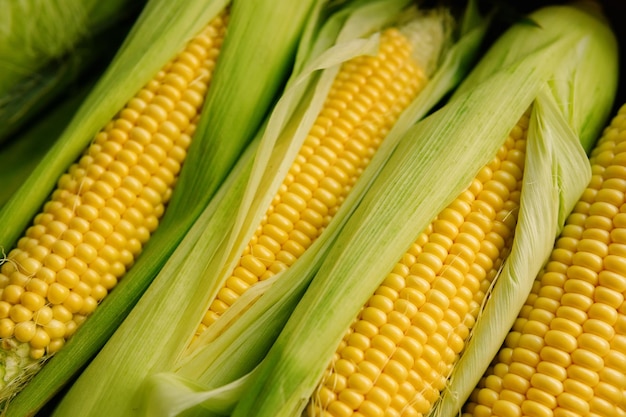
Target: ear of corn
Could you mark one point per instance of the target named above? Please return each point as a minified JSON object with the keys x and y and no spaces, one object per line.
{"x":583,"y":117}
{"x":102,"y":213}
{"x":168,"y":26}
{"x":565,"y":352}
{"x":414,"y":186}
{"x":258,"y":177}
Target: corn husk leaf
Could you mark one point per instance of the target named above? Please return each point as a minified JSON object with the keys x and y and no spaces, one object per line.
{"x":20,"y":156}
{"x":160,"y":32}
{"x":416,"y":184}
{"x":47,"y":46}
{"x":157,"y":333}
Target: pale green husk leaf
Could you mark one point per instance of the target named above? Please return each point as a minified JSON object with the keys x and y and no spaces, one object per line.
{"x":46,"y":46}
{"x":19,"y":157}
{"x":32,"y":33}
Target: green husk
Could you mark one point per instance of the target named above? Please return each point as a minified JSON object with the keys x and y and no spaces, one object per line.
{"x":20,"y":156}
{"x":416,"y":183}
{"x":161,"y":30}
{"x":47,"y":46}
{"x":154,"y":339}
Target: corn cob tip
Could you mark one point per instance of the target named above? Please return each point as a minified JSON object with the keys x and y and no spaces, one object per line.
{"x":429,"y":32}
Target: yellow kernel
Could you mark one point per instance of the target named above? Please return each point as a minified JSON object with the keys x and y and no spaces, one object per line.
{"x":541,"y":397}
{"x":43,"y":315}
{"x":12,"y":293}
{"x":560,"y":340}
{"x":573,"y":403}
{"x":352,"y":398}
{"x":7,"y":326}
{"x":568,"y":326}
{"x":608,"y":296}
{"x":86,"y":253}
{"x":577,"y":301}
{"x":547,"y":384}
{"x":32,"y":301}
{"x":379,"y":396}
{"x":601,"y":328}
{"x":70,"y":328}
{"x":54,"y":262}
{"x":359,"y":383}
{"x":374,"y":316}
{"x":556,"y":356}
{"x":612,"y":280}
{"x":587,"y":359}
{"x":371,"y":370}
{"x":57,"y":293}
{"x":512,"y":396}
{"x":68,"y":278}
{"x":370,"y":409}
{"x":572,"y":313}
{"x":339,"y":409}
{"x":61,"y":313}
{"x":40,"y":339}
{"x":37,"y":353}
{"x":594,"y":343}
{"x":25,"y":331}
{"x":63,"y":248}
{"x":515,"y":383}
{"x":506,"y":409}
{"x":525,"y":356}
{"x":89,"y":305}
{"x":616,"y":359}
{"x":73,"y":302}
{"x":534,"y":408}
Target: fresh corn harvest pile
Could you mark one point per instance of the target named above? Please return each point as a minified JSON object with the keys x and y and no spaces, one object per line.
{"x":319,"y":208}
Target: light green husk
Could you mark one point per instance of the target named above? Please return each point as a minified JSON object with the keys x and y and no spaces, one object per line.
{"x":238,"y":92}
{"x":417,"y":182}
{"x":147,"y":367}
{"x":46,"y":46}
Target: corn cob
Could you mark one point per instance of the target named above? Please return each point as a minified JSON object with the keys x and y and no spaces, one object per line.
{"x":367,"y":97}
{"x":566,"y":352}
{"x":104,"y":210}
{"x":396,"y":356}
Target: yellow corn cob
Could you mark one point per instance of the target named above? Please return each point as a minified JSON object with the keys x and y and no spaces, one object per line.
{"x":106,"y":206}
{"x":566,"y":353}
{"x":395,"y":358}
{"x":365,"y":100}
